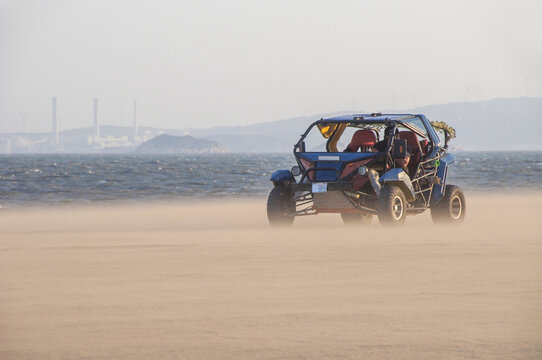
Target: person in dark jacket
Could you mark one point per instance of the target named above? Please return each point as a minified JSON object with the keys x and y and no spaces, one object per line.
{"x":383,"y":144}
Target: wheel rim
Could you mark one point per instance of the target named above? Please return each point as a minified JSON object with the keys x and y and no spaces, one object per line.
{"x":456,"y":207}
{"x":397,"y":208}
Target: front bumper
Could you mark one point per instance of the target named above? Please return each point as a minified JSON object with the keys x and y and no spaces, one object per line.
{"x":331,"y":186}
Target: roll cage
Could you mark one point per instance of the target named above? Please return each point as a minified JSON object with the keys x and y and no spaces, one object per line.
{"x":364,"y":120}
{"x":427,"y":169}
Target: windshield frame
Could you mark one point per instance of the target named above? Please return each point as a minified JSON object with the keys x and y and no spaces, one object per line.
{"x":397,"y":119}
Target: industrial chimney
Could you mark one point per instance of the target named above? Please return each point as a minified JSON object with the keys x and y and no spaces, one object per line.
{"x":135,"y":121}
{"x":96,"y":124}
{"x":56,"y":139}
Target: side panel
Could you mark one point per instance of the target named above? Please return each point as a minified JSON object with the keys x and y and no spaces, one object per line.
{"x":442,"y":174}
{"x":399,"y":178}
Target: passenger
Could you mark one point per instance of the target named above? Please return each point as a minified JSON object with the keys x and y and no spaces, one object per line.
{"x":383,"y":144}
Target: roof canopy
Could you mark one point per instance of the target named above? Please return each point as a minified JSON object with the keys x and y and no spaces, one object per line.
{"x":370,"y":117}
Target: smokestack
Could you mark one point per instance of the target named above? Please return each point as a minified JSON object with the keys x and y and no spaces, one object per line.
{"x":23,"y":119}
{"x":55,"y":124}
{"x":135,"y":120}
{"x":96,"y":124}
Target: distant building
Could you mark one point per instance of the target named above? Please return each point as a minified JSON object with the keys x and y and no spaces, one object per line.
{"x":56,"y":131}
{"x":96,"y":121}
{"x":5,"y":146}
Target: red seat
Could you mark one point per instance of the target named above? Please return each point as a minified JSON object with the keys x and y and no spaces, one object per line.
{"x":362,"y":139}
{"x":416,"y":155}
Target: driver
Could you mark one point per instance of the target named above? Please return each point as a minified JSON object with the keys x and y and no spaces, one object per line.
{"x":383,"y":144}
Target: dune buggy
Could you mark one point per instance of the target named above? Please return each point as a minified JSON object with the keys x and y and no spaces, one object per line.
{"x":388,"y":165}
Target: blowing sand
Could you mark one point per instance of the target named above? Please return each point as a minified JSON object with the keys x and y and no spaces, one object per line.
{"x":213,"y":281}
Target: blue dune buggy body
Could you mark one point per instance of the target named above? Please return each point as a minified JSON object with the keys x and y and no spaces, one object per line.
{"x":393,"y":165}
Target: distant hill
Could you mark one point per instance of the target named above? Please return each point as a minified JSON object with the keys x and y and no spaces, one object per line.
{"x":498,"y":124}
{"x":275,"y":136}
{"x":251,"y":143}
{"x":170,"y":144}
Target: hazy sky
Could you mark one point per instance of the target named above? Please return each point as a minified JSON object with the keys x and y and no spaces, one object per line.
{"x":207,"y":63}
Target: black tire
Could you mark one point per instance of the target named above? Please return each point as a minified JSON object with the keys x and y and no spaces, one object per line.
{"x":356,"y":219}
{"x":280,"y":207}
{"x":392,"y":206}
{"x":452,"y":208}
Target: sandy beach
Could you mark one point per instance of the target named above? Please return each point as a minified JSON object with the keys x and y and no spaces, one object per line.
{"x":211,"y":280}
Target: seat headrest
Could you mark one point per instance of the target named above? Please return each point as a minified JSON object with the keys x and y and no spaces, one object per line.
{"x":411,"y":139}
{"x":363,"y":138}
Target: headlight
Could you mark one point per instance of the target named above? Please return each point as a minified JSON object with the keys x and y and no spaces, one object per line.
{"x":362,"y":170}
{"x":296,"y":171}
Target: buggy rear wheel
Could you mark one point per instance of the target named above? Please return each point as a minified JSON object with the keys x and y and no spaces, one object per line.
{"x":280,"y":207}
{"x":451,"y":209}
{"x":392,"y":206}
{"x":356,"y":218}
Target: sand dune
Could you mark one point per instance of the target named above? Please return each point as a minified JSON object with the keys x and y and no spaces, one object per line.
{"x":212,"y":281}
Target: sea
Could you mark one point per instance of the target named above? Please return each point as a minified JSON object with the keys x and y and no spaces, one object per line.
{"x":37,"y":180}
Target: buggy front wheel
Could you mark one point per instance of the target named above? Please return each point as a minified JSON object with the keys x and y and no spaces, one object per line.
{"x":451,"y":209}
{"x":392,"y":206}
{"x":280,"y":207}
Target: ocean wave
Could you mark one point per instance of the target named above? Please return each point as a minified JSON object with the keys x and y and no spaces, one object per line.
{"x":41,"y":180}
